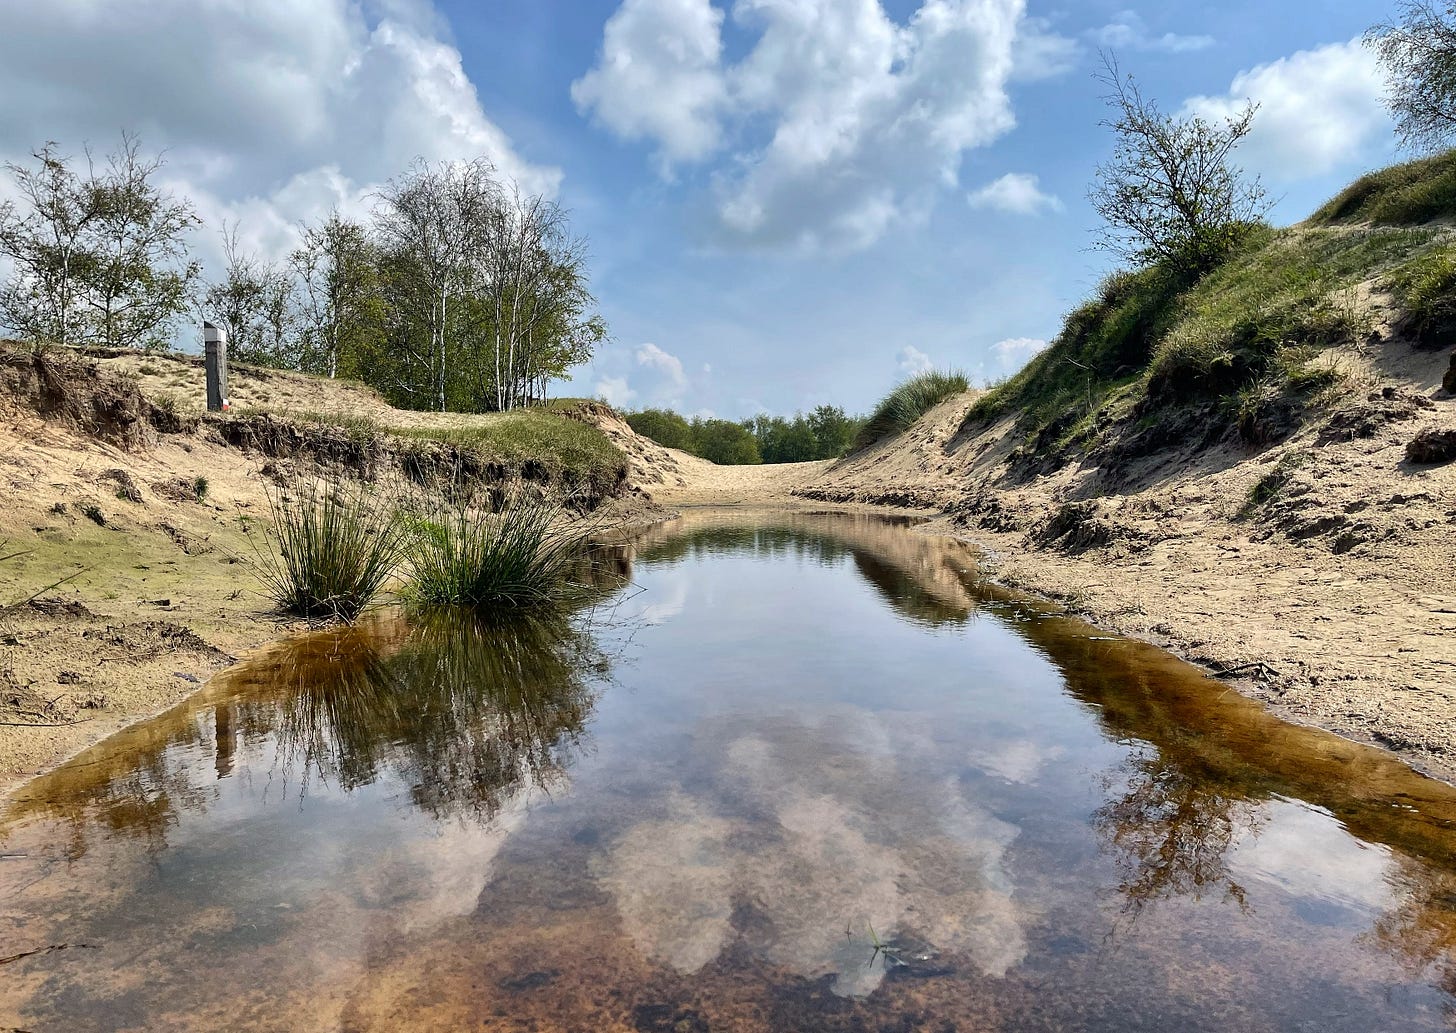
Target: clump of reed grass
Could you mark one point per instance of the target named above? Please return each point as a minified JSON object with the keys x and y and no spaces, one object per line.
{"x":908,"y":402}
{"x":333,"y":547}
{"x":519,"y":553}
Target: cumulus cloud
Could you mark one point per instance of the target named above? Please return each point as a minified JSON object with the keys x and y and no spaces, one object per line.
{"x":913,"y":361}
{"x":269,"y":112}
{"x":658,"y":76}
{"x":1015,"y":352}
{"x":617,"y":392}
{"x":669,"y":366}
{"x":1318,"y":109}
{"x":845,"y":121}
{"x":1128,"y":31}
{"x":1016,"y":192}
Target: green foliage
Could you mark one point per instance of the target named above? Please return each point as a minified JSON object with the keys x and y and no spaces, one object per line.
{"x":908,"y":402}
{"x":725,"y":442}
{"x":577,"y":452}
{"x":1170,"y":194}
{"x":95,"y":256}
{"x":824,"y":433}
{"x":199,"y":488}
{"x":1401,"y":195}
{"x":522,"y":556}
{"x":1426,"y":289}
{"x":663,"y":426}
{"x":1243,"y":347}
{"x":332,"y":548}
{"x":1418,"y":55}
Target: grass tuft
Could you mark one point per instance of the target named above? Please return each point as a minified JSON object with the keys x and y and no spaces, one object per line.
{"x":333,"y":547}
{"x":1401,"y":195}
{"x":1425,"y":287}
{"x":524,"y":555}
{"x":909,"y":401}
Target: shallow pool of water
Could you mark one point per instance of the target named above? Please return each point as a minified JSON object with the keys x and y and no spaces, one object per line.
{"x":802,"y":773}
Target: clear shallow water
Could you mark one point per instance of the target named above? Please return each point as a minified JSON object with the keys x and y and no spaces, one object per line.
{"x":810,"y":774}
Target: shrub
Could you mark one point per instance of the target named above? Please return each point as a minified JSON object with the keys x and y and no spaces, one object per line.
{"x":521,"y":556}
{"x":908,"y":402}
{"x":333,"y":547}
{"x":725,"y":442}
{"x":663,"y":426}
{"x":199,"y":488}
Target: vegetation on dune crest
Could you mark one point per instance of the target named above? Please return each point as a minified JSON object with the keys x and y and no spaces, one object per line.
{"x":457,"y":293}
{"x":1409,"y":194}
{"x":909,"y":401}
{"x":1226,"y":327}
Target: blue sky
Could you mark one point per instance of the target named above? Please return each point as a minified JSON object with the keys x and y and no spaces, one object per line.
{"x":789,"y":202}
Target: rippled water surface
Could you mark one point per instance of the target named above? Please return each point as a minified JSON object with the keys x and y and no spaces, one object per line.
{"x":802,"y":773}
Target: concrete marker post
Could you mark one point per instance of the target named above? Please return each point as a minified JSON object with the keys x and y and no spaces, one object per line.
{"x":214,"y":341}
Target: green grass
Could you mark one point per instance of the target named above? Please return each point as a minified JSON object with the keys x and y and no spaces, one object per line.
{"x":333,"y":545}
{"x":572,"y":451}
{"x":1244,"y":348}
{"x":1401,"y":195}
{"x":531,"y":434}
{"x":522,"y":556}
{"x":1425,"y":287}
{"x":909,"y":401}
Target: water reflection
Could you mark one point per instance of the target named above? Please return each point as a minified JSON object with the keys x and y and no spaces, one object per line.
{"x":839,"y":782}
{"x":924,"y":579}
{"x":462,"y":712}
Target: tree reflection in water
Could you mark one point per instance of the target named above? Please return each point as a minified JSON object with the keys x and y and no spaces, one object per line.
{"x":466,"y":712}
{"x":1170,"y":828}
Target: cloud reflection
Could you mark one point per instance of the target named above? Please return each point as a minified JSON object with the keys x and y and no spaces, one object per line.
{"x":812,"y":841}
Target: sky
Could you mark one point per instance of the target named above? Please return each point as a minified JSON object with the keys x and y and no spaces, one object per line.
{"x":788,"y":202}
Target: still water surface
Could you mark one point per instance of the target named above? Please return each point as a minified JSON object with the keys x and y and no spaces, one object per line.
{"x":803,"y":773}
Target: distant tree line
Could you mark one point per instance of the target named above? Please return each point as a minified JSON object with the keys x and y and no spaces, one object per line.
{"x":824,"y":433}
{"x":459,"y":292}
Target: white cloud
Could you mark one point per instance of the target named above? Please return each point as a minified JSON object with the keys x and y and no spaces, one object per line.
{"x":913,"y":361}
{"x":1318,"y":109}
{"x":1042,"y":53}
{"x":1128,"y":31}
{"x":665,"y":363}
{"x":847,"y":122}
{"x":617,"y":392}
{"x":658,"y":76}
{"x":1015,"y":352}
{"x":269,"y":112}
{"x":1016,"y":192}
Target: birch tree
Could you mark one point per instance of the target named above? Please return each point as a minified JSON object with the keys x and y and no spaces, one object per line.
{"x":47,"y":241}
{"x":1418,"y":53}
{"x":339,"y":292}
{"x":138,"y":276}
{"x":435,"y":222}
